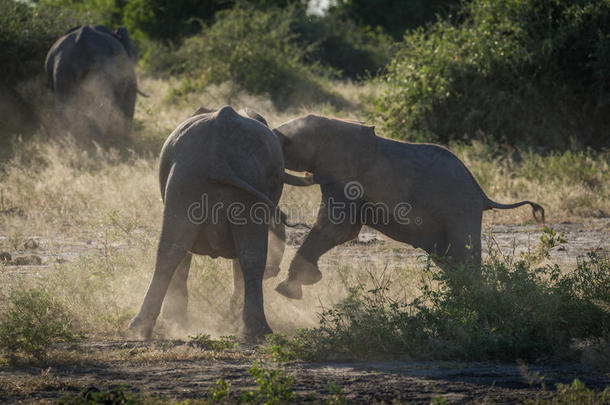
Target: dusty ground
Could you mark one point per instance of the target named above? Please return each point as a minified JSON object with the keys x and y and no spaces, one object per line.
{"x":361,"y":382}
{"x":170,"y":369}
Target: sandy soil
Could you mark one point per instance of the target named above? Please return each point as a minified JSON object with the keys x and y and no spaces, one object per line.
{"x":362,"y":382}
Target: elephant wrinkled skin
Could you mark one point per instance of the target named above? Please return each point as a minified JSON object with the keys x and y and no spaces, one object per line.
{"x":215,"y":161}
{"x":420,"y":194}
{"x":91,"y":72}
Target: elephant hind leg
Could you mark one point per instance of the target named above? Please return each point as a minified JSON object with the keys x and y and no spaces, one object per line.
{"x":176,"y":302}
{"x":178,"y":235}
{"x":460,"y":251}
{"x":251,"y":247}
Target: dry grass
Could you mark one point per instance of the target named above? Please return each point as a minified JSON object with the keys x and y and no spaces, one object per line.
{"x":102,"y":213}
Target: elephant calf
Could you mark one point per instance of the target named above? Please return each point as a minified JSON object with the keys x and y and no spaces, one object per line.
{"x":221,"y":177}
{"x":420,"y":194}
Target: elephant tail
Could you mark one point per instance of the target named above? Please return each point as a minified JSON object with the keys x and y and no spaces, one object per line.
{"x":141,"y":93}
{"x":537,"y":210}
{"x":239,"y":183}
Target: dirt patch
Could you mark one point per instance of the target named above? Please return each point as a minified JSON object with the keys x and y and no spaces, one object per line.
{"x":178,"y":373}
{"x":361,"y":382}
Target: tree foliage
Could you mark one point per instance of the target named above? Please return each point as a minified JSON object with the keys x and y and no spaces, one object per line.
{"x":535,"y":72}
{"x":395,"y":16}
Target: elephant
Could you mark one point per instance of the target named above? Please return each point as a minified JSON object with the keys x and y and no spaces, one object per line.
{"x":420,"y":194}
{"x":90,"y":70}
{"x":221,"y":176}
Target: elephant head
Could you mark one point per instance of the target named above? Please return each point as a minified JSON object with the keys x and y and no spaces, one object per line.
{"x":334,"y":150}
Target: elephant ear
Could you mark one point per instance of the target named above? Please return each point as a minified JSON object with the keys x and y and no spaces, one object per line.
{"x":346,"y":153}
{"x":123,"y":36}
{"x":202,"y":110}
{"x":254,"y":115}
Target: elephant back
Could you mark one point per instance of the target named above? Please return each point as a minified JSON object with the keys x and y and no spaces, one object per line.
{"x":223,"y":145}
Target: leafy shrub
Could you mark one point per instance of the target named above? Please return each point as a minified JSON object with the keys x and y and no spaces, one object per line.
{"x":575,"y":393}
{"x":512,"y":310}
{"x":253,"y":49}
{"x":26,"y":34}
{"x":535,"y":72}
{"x":336,"y":41}
{"x":104,"y":12}
{"x":31,"y":323}
{"x":166,"y":20}
{"x":395,"y":16}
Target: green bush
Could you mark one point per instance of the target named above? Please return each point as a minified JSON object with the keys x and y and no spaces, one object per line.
{"x":26,"y":34}
{"x":170,"y":21}
{"x":395,"y":16}
{"x":253,"y":49}
{"x":104,"y":12}
{"x":535,"y":72}
{"x":575,"y":393}
{"x":512,"y":310}
{"x":31,"y":322}
{"x":336,"y":41}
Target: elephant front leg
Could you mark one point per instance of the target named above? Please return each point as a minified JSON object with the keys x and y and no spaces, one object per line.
{"x":325,"y":235}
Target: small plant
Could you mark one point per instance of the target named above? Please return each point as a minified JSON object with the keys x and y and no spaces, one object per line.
{"x":273,"y":387}
{"x":31,"y":323}
{"x":283,"y":348}
{"x":219,"y":345}
{"x":548,"y":240}
{"x":337,"y":396}
{"x":93,"y":396}
{"x":219,"y":393}
{"x":575,"y":393}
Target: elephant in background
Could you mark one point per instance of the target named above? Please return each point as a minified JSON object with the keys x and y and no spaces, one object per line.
{"x":420,"y":194}
{"x":91,"y":72}
{"x":221,"y":176}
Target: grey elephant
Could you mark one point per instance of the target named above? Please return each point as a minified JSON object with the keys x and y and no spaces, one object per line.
{"x":221,"y":177}
{"x":90,"y":69}
{"x":420,"y":194}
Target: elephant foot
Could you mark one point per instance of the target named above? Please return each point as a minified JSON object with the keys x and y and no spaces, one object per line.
{"x":304,"y":272}
{"x":256,"y":333}
{"x":141,"y":328}
{"x":271,"y":271}
{"x":290,"y":289}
